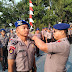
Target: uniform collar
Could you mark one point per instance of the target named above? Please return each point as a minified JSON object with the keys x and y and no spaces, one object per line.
{"x":5,"y":36}
{"x":21,"y":42}
{"x":63,"y":39}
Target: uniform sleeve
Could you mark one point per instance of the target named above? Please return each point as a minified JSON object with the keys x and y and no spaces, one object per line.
{"x":56,"y":47}
{"x":11,"y":51}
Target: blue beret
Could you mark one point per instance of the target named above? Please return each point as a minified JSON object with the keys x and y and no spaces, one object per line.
{"x":61,"y":26}
{"x":21,"y":22}
{"x":2,"y":30}
{"x":37,"y":29}
{"x":42,"y":28}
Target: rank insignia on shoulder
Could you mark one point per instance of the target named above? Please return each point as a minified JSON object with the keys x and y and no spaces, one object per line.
{"x":11,"y":50}
{"x":10,"y":40}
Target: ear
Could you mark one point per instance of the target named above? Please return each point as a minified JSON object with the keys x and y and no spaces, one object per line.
{"x":62,"y":32}
{"x":17,"y":30}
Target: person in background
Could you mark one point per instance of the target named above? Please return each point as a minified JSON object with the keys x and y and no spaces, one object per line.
{"x":4,"y":40}
{"x":42,"y":32}
{"x":38,"y":34}
{"x":45,"y":31}
{"x":11,"y":34}
{"x":1,"y":56}
{"x":48,"y":36}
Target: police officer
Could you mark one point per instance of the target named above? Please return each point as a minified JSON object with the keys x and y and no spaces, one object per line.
{"x":48,"y":36}
{"x":44,"y":32}
{"x":4,"y":41}
{"x":21,"y":49}
{"x":38,"y":34}
{"x":11,"y":34}
{"x":1,"y":56}
{"x":57,"y":52}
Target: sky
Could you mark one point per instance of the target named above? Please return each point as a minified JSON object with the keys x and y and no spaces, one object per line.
{"x":14,"y":0}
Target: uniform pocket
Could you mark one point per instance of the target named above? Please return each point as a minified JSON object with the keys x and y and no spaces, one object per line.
{"x":22,"y":53}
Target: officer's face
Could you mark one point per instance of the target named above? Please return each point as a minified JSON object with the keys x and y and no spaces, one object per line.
{"x":11,"y":31}
{"x":3,"y":33}
{"x":58,"y":33}
{"x":23,"y":30}
{"x":37,"y":31}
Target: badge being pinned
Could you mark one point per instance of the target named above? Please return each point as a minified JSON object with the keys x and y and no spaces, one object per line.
{"x":11,"y":50}
{"x":10,"y":40}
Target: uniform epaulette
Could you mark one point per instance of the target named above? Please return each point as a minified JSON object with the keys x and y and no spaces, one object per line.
{"x":13,"y":41}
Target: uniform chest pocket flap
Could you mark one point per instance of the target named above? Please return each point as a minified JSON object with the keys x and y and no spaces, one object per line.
{"x":23,"y":53}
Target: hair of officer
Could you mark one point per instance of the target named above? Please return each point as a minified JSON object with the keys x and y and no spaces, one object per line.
{"x":66,"y":32}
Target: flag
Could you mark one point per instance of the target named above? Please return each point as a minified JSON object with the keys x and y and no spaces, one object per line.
{"x":31,"y":9}
{"x":30,"y":4}
{"x":31,"y":20}
{"x":30,"y":1}
{"x":30,"y":16}
{"x":31,"y":24}
{"x":31,"y":13}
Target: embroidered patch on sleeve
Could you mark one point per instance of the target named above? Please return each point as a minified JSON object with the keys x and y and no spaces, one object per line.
{"x":10,"y":40}
{"x":11,"y":49}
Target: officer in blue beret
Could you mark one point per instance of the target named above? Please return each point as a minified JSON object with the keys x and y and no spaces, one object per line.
{"x":11,"y":34}
{"x":4,"y":40}
{"x":58,"y":51}
{"x":39,"y":35}
{"x":21,"y":49}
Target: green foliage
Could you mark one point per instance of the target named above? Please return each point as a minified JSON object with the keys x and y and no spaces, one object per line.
{"x":60,"y":11}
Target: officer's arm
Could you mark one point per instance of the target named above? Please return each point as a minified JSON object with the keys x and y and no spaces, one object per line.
{"x":40,"y":44}
{"x":10,"y":65}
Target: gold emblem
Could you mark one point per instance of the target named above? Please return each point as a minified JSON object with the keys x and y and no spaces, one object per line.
{"x":19,"y":22}
{"x":11,"y":51}
{"x":33,"y":45}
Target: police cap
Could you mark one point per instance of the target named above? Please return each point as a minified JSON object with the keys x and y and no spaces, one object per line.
{"x":61,"y":26}
{"x":21,"y":22}
{"x":2,"y":30}
{"x":37,"y":29}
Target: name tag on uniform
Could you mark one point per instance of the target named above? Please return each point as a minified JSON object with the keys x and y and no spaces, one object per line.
{"x":21,"y":50}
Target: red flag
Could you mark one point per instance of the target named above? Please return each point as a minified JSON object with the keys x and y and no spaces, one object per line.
{"x":30,"y":1}
{"x":31,"y":9}
{"x":30,"y":16}
{"x":31,"y":24}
